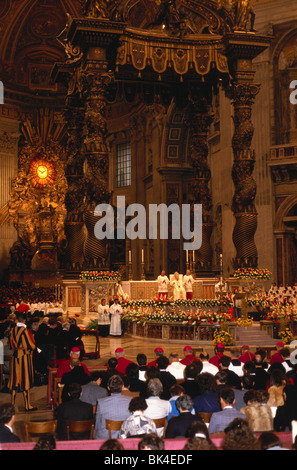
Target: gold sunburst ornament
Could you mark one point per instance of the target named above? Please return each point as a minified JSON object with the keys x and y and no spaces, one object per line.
{"x":43,"y":172}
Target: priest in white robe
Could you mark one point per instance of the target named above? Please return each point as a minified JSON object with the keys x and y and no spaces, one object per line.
{"x":179,"y":291}
{"x":116,"y":312}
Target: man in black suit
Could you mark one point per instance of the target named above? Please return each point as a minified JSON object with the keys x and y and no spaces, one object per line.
{"x":73,"y":410}
{"x":179,"y":425}
{"x":190,"y":385}
{"x":7,"y":417}
{"x":167,"y":379}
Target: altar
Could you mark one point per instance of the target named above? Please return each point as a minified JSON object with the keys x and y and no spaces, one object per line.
{"x":81,"y":297}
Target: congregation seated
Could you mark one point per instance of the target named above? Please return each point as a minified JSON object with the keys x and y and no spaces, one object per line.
{"x":73,"y":409}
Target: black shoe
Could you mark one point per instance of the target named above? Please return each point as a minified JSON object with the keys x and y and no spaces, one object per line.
{"x":34,"y":408}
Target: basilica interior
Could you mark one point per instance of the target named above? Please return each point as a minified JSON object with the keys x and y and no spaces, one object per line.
{"x":150,"y":102}
{"x":157,"y":101}
{"x":164,"y":105}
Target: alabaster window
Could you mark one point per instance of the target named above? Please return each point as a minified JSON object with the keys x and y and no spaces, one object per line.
{"x":123,"y":165}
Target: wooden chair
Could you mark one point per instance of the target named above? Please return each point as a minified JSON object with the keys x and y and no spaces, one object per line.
{"x":205,"y":416}
{"x":112,"y":425}
{"x":80,"y":426}
{"x":161,"y":423}
{"x":39,"y":428}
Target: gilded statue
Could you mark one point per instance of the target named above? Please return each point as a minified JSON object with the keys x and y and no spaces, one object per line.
{"x":242,"y":13}
{"x":96,"y":8}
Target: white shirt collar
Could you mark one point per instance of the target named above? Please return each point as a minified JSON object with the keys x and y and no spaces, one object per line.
{"x":21,"y":324}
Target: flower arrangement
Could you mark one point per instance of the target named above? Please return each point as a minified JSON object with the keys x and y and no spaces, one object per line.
{"x":286,"y":335}
{"x":244,"y":322}
{"x":223,"y":337}
{"x":158,"y":314}
{"x":252,"y":273}
{"x":100,"y":276}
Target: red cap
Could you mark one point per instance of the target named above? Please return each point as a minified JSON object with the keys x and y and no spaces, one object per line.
{"x":245,"y":346}
{"x":280,"y":344}
{"x":119,"y":350}
{"x":188,"y":348}
{"x":75,"y":350}
{"x":159,"y":350}
{"x":220,"y":345}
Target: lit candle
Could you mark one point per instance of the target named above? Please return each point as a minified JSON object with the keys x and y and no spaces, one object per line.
{"x":142,"y":256}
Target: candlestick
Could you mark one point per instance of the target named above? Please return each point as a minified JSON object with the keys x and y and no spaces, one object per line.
{"x":142,"y":256}
{"x":193,"y":256}
{"x":187,"y":256}
{"x":129,"y":256}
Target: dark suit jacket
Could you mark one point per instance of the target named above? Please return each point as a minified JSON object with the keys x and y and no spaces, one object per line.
{"x":6,"y":435}
{"x":74,"y":410}
{"x":190,"y":387}
{"x":168,"y":380}
{"x":178,"y":427}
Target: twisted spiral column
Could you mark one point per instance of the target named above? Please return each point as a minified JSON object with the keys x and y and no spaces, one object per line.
{"x":243,"y":95}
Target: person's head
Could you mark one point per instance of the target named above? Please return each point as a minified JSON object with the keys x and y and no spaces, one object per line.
{"x":151,"y":442}
{"x":249,"y":367}
{"x":176,"y":390}
{"x":132,"y":371}
{"x":188,"y":350}
{"x":227,"y":397}
{"x":239,"y":436}
{"x":21,"y":317}
{"x":154,"y":388}
{"x":248,"y":382}
{"x":74,"y":391}
{"x":279,"y":345}
{"x":268,"y":439}
{"x":103,"y":301}
{"x":158,"y":352}
{"x":224,"y":362}
{"x":115,"y":384}
{"x":184,"y":403}
{"x":176,"y":275}
{"x":163,"y":272}
{"x":173,"y":357}
{"x":204,"y":356}
{"x":277,"y":378}
{"x":7,"y":413}
{"x":251,"y":397}
{"x":162,"y":362}
{"x":205,"y":382}
{"x":141,"y":359}
{"x":119,"y":352}
{"x":137,"y":404}
{"x":192,"y":370}
{"x":259,"y":358}
{"x":245,"y":348}
{"x":112,"y":444}
{"x":188,"y":272}
{"x":219,"y":348}
{"x":285,"y":353}
{"x":97,"y":376}
{"x":152,"y":373}
{"x":74,"y":353}
{"x":112,"y":363}
{"x":221,"y":377}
